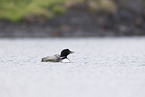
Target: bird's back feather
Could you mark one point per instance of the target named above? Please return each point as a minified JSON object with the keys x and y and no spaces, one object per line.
{"x":55,"y":58}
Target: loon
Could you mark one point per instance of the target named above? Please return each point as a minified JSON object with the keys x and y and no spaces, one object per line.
{"x":57,"y":57}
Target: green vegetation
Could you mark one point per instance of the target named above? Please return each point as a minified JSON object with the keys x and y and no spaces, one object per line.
{"x":15,"y":10}
{"x":18,"y":10}
{"x":106,"y":6}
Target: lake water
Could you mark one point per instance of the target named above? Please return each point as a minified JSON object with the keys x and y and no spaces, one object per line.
{"x":100,"y":67}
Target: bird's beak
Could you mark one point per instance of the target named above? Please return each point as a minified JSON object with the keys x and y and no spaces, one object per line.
{"x":71,"y":52}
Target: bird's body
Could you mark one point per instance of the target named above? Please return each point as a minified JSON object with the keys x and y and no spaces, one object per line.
{"x":57,"y":57}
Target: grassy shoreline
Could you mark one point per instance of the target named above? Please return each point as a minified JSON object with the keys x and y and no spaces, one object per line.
{"x":16,"y":10}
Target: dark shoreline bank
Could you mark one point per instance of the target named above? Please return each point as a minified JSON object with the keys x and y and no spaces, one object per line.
{"x":79,"y":22}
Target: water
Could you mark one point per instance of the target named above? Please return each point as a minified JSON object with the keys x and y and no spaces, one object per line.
{"x":101,"y":67}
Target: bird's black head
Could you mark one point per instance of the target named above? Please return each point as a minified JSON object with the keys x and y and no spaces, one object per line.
{"x":65,"y":53}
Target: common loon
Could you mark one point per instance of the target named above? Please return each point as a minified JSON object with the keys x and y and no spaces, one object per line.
{"x":57,"y":57}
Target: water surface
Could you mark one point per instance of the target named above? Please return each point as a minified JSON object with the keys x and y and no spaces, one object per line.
{"x":101,"y":67}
